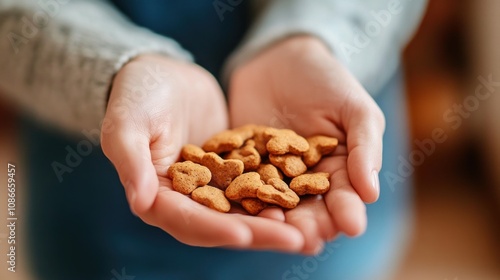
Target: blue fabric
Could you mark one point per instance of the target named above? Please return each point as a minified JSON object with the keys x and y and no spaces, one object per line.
{"x":195,"y":24}
{"x":81,"y":228}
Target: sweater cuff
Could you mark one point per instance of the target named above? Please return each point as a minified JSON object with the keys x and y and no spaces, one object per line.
{"x":110,"y":62}
{"x":338,"y":24}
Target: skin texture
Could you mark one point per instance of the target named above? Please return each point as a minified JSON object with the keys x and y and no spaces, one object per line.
{"x":300,"y":77}
{"x":143,"y":133}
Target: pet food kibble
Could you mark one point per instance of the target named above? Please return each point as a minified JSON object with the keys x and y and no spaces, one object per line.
{"x":211,"y":197}
{"x":187,"y":176}
{"x":247,"y":165}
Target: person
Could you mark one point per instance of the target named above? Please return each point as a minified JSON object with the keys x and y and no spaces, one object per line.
{"x":84,"y":73}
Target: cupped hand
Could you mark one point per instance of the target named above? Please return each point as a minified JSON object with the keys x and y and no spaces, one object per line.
{"x":297,"y":83}
{"x":156,"y":105}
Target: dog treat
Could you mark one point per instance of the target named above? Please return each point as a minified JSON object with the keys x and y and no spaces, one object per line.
{"x":251,"y":165}
{"x":291,"y":165}
{"x":260,"y":139}
{"x":247,"y":154}
{"x":283,"y":141}
{"x":187,"y":176}
{"x":211,"y":197}
{"x":268,"y":171}
{"x":228,"y":140}
{"x":277,"y":192}
{"x":192,"y":153}
{"x":244,"y":186}
{"x":316,"y":183}
{"x":253,"y":205}
{"x":223,"y":170}
{"x":318,"y":146}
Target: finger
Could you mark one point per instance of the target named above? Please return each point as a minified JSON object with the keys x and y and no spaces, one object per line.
{"x":270,"y":212}
{"x":344,"y":204}
{"x":194,"y":224}
{"x":311,"y":217}
{"x":273,"y":213}
{"x":269,"y":234}
{"x":364,"y":143}
{"x":129,"y":152}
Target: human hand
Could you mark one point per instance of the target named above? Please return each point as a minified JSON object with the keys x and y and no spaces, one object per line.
{"x":158,"y":104}
{"x":299,"y":83}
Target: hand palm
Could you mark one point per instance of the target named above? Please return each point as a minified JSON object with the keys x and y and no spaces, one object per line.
{"x":305,"y":89}
{"x":145,"y":139}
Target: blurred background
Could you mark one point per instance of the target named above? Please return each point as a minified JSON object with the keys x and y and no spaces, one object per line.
{"x":457,"y":202}
{"x":457,"y":199}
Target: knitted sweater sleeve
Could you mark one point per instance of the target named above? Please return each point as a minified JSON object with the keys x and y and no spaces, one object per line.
{"x":58,"y":57}
{"x":367,"y":36}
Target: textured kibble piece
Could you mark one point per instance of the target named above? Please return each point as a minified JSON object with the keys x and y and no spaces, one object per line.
{"x":211,"y":197}
{"x":268,"y":171}
{"x":318,"y":146}
{"x":253,"y":205}
{"x":277,"y":192}
{"x":291,"y":165}
{"x":187,"y":176}
{"x":223,"y":171}
{"x":247,"y":154}
{"x":316,"y":183}
{"x":284,"y":141}
{"x":260,"y":139}
{"x":244,"y":186}
{"x":228,"y":140}
{"x":192,"y":153}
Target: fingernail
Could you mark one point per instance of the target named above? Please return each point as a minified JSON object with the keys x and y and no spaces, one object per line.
{"x":375,"y":180}
{"x":131,"y":202}
{"x":131,"y":195}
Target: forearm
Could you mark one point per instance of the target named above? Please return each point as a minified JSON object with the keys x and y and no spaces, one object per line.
{"x":59,"y":60}
{"x":367,"y":36}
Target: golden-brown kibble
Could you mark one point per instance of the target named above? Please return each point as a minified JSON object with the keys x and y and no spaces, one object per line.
{"x":187,"y":176}
{"x":269,"y":171}
{"x":253,"y":205}
{"x":316,"y":183}
{"x":211,"y":197}
{"x":291,"y":165}
{"x":228,"y":140}
{"x":244,"y":186}
{"x":277,"y":192}
{"x":223,"y":171}
{"x":319,"y":146}
{"x":285,"y":141}
{"x":192,"y":153}
{"x":247,"y":154}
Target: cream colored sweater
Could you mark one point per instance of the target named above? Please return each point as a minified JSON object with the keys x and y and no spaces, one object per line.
{"x":58,"y":57}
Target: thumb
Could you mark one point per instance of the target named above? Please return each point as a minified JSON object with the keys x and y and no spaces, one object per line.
{"x":365,"y":131}
{"x":129,"y":152}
